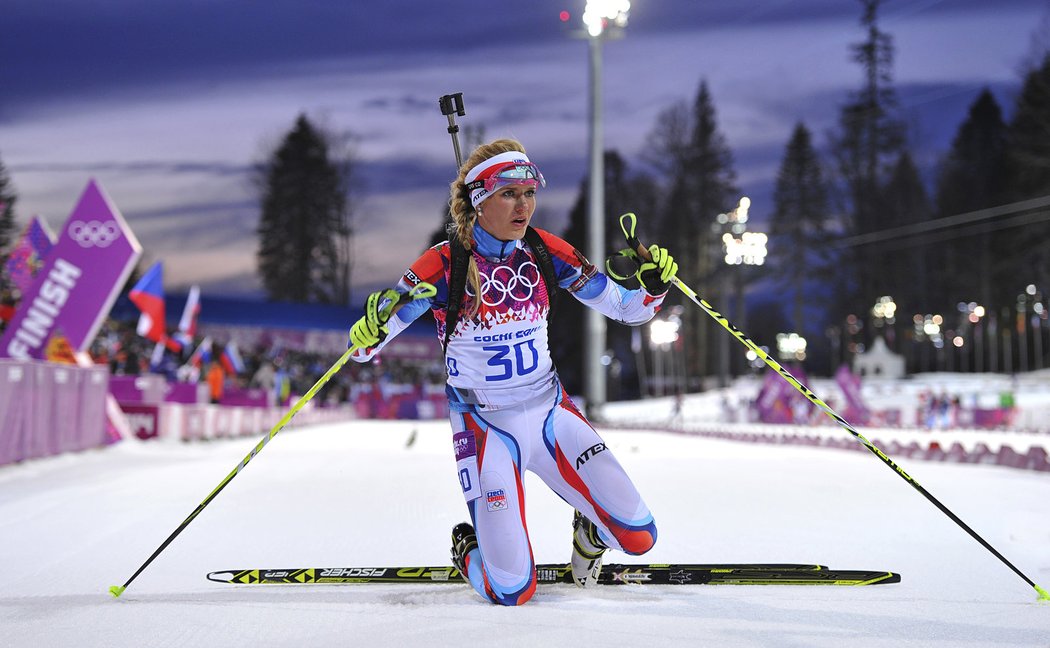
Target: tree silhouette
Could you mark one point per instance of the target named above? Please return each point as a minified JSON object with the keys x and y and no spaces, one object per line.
{"x":799,"y":226}
{"x":304,"y":226}
{"x":8,"y":198}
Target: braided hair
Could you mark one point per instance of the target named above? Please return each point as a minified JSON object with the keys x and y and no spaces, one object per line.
{"x":464,"y":214}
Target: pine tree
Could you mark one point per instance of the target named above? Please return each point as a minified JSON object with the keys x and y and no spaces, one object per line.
{"x":972,"y":176}
{"x":905,"y":270}
{"x":869,"y":141}
{"x":1029,"y":176}
{"x":624,"y":192}
{"x":690,"y":151}
{"x":8,"y":198}
{"x":799,"y":224}
{"x":304,"y":225}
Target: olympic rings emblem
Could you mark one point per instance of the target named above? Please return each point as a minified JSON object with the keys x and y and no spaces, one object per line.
{"x":517,"y":284}
{"x":94,"y":233}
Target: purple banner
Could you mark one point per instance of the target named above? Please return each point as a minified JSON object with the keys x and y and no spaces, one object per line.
{"x":856,"y":411}
{"x":149,"y":389}
{"x":76,"y":287}
{"x":28,"y":254}
{"x":144,"y":420}
{"x":773,"y":399}
{"x":183,"y":392}
{"x":245,"y":397}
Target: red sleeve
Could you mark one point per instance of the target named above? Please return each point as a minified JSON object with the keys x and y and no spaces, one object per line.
{"x":561,"y":249}
{"x":570,"y":266}
{"x":430,"y":267}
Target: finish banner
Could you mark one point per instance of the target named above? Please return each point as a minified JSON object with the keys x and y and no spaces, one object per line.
{"x":74,"y":290}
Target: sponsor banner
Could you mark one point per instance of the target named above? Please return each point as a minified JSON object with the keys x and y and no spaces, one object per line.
{"x":144,"y":420}
{"x":80,"y":278}
{"x":856,"y":410}
{"x":772,"y":401}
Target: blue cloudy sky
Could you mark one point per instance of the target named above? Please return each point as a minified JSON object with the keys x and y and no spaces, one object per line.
{"x":169,"y":104}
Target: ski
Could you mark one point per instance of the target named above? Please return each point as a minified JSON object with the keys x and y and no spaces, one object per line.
{"x":612,"y":574}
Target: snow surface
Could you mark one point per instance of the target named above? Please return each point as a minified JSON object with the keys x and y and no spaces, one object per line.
{"x":358,"y":494}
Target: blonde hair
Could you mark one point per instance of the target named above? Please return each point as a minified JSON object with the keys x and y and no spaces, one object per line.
{"x":463,"y":213}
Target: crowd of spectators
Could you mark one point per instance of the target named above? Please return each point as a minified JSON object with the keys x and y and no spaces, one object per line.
{"x":285,"y":370}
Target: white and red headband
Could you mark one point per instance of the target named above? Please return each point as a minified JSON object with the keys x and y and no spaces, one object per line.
{"x":512,"y":167}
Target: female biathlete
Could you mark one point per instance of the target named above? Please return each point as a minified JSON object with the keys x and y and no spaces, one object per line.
{"x":508,"y":410}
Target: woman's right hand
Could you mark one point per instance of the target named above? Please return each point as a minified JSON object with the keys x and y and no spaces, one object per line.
{"x":371,"y":329}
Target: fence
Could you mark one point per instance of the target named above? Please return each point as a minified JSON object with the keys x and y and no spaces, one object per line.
{"x":47,"y":409}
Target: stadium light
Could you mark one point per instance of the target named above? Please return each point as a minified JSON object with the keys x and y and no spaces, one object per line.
{"x":602,"y":19}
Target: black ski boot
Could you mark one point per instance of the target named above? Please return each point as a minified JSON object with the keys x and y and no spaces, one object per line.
{"x":464,"y":540}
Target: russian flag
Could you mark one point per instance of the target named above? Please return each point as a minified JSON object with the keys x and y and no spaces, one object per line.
{"x":231,"y":360}
{"x":148,"y":295}
{"x":202,"y":355}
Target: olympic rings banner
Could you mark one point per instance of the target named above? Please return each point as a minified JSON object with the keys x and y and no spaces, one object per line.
{"x":74,"y":290}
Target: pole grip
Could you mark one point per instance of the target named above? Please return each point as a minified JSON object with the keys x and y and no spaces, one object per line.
{"x":628,"y":223}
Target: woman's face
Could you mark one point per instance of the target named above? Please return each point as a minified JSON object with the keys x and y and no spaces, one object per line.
{"x":508,"y":211}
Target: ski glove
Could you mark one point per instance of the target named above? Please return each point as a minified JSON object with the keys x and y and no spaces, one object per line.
{"x":371,"y":329}
{"x":656,"y":275}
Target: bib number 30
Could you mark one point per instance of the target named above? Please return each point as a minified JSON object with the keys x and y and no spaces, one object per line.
{"x":512,"y":360}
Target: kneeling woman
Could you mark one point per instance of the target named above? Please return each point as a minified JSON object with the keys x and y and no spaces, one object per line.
{"x":508,"y":410}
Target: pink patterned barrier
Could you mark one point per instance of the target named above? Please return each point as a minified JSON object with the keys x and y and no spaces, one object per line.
{"x":47,"y":409}
{"x":1034,"y":457}
{"x":203,"y":422}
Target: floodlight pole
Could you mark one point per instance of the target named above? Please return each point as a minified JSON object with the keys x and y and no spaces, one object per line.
{"x":594,"y":340}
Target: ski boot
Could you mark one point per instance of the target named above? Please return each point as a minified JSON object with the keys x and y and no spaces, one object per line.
{"x":464,"y":540}
{"x":587,"y":551}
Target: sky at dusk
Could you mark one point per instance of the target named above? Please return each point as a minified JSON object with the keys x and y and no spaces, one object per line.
{"x":170,"y":105}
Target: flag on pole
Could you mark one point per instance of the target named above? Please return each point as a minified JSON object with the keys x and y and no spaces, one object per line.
{"x":148,"y":295}
{"x":231,"y":360}
{"x":202,"y":354}
{"x":183,"y":338}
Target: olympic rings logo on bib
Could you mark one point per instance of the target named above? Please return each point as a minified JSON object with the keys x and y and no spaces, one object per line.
{"x":508,"y":284}
{"x":94,"y":233}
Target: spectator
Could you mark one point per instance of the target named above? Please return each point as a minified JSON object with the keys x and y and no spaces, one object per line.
{"x":216,"y":381}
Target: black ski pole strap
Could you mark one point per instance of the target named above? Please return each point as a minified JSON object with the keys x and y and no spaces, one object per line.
{"x":543,"y":256}
{"x":457,"y":283}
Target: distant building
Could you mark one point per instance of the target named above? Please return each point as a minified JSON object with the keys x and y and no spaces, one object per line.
{"x":879,"y":362}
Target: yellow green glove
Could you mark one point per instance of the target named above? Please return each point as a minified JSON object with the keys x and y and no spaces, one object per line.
{"x":371,"y":329}
{"x":656,"y":275}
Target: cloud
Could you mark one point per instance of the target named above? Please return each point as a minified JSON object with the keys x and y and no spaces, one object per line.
{"x":136,"y":166}
{"x":169,"y":106}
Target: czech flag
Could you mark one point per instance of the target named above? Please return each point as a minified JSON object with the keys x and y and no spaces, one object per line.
{"x":148,"y":295}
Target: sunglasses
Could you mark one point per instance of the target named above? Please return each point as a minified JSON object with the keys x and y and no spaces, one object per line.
{"x":511,"y":173}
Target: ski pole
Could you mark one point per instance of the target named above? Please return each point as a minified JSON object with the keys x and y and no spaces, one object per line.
{"x":628,"y":222}
{"x":421,"y":290}
{"x":452,"y":105}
